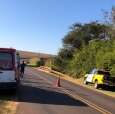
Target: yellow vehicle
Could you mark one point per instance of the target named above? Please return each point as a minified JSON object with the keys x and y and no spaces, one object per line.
{"x":99,"y":78}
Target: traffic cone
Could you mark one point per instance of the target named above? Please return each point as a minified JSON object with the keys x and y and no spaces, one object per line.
{"x":58,"y":82}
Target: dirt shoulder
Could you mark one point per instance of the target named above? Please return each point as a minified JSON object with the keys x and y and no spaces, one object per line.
{"x":8,"y":107}
{"x":76,"y":81}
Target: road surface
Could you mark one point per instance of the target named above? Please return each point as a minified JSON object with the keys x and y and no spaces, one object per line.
{"x":38,"y":95}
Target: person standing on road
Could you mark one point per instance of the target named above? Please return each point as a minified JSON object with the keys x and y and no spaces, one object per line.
{"x":22,"y":68}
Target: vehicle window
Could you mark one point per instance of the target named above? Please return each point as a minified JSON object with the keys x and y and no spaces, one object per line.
{"x":102,"y":72}
{"x":94,"y":71}
{"x":6,"y":62}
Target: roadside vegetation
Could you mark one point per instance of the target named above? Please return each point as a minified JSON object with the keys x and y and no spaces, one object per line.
{"x":87,"y":46}
{"x":7,"y":104}
{"x":36,"y":62}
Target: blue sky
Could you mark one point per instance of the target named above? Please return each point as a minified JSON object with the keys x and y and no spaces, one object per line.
{"x":40,"y":25}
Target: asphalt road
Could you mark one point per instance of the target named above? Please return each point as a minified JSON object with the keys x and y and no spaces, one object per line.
{"x":38,"y":95}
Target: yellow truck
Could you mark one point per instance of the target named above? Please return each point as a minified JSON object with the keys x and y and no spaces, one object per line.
{"x":99,"y":78}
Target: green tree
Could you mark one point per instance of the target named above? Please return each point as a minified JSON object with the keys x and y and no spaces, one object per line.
{"x":85,"y":47}
{"x":81,"y":34}
{"x":61,"y":61}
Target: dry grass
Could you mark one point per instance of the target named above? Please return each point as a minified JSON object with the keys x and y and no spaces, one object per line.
{"x":8,"y":107}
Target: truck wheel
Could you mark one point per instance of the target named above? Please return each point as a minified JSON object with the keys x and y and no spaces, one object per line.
{"x":85,"y":82}
{"x":96,"y":85}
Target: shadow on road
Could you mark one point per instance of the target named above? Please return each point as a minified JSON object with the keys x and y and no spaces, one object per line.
{"x":31,"y":94}
{"x":106,"y":88}
{"x":111,"y":88}
{"x":45,"y":96}
{"x":6,"y":95}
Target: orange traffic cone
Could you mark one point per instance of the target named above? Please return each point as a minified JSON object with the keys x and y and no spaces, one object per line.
{"x":58,"y":82}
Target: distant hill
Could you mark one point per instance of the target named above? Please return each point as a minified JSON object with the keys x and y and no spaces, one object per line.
{"x":29,"y":55}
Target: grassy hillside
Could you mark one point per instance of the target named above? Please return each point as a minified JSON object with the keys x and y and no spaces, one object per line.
{"x":28,"y":54}
{"x":33,"y":58}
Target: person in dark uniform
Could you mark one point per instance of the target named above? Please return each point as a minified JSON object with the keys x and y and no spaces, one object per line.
{"x":22,"y":68}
